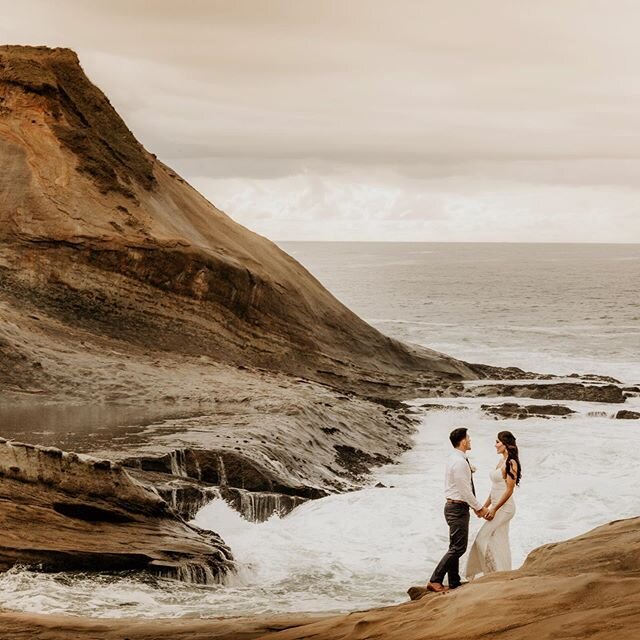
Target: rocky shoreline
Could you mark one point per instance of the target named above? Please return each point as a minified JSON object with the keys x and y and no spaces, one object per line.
{"x":585,"y":587}
{"x":234,"y":449}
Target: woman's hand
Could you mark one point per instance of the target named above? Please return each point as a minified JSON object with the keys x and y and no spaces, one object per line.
{"x":491,"y":514}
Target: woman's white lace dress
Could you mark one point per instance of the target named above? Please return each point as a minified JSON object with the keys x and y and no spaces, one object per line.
{"x":491,"y":550}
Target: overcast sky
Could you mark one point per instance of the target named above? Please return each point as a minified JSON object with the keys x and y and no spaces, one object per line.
{"x":448,"y":120}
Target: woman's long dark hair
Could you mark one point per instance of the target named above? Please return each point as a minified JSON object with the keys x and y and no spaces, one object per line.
{"x":509,"y":441}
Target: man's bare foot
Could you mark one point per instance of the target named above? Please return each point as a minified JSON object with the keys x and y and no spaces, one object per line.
{"x":436,"y":587}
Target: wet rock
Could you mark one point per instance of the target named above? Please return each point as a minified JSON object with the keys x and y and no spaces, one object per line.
{"x":219,"y":468}
{"x":443,"y":407}
{"x":64,"y":512}
{"x":609,"y":393}
{"x":259,"y":506}
{"x":628,"y":415}
{"x":187,"y":498}
{"x":593,"y":377}
{"x":504,"y":373}
{"x":358,"y":462}
{"x":519,"y":412}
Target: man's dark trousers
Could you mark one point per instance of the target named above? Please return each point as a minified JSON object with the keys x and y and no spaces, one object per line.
{"x":457,"y":516}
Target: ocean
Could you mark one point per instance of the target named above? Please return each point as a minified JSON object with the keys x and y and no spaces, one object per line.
{"x":552,"y":308}
{"x":546,"y":308}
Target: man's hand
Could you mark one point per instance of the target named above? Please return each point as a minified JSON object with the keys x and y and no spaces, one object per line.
{"x":481,"y":513}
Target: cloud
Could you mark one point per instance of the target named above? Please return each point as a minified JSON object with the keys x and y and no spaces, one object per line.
{"x":435,"y":115}
{"x":453,"y":209}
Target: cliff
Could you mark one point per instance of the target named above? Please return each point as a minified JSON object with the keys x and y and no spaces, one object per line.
{"x":101,"y":240}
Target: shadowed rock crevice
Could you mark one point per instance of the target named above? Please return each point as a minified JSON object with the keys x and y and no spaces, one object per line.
{"x":90,"y":513}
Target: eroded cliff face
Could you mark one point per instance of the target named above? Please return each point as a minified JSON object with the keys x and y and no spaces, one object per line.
{"x":61,"y":511}
{"x":98,"y":234}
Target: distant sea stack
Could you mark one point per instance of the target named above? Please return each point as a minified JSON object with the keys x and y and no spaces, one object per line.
{"x":105,"y":240}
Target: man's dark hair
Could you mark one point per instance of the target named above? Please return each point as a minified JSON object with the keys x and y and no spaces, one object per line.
{"x":457,"y":436}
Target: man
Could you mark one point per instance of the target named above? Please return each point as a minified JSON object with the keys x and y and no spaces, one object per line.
{"x":461,"y":495}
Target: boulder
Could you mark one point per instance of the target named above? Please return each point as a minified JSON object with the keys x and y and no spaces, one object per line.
{"x":628,"y":415}
{"x":519,"y":412}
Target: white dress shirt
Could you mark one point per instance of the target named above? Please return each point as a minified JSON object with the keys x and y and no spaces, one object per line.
{"x":457,"y":481}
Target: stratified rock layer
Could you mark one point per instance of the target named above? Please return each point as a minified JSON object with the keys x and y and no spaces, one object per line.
{"x":60,"y":511}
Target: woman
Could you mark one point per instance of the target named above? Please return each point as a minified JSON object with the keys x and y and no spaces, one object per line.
{"x":491,"y":550}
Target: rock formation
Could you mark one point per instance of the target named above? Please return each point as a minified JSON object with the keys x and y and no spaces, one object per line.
{"x":100,"y":238}
{"x":625,"y":414}
{"x":610,"y":393}
{"x":512,"y":410}
{"x":119,"y":282}
{"x":61,"y":511}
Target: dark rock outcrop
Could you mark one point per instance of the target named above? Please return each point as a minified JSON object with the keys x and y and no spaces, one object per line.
{"x":628,"y":415}
{"x":610,"y":393}
{"x":520,"y":412}
{"x":356,"y":461}
{"x":431,"y":406}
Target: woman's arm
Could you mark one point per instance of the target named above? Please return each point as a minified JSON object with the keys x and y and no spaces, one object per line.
{"x":508,"y":492}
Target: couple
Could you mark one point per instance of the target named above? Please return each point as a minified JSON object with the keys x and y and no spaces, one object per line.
{"x":490,"y":551}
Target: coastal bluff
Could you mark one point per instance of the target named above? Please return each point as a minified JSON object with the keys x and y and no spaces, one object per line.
{"x":101,"y":241}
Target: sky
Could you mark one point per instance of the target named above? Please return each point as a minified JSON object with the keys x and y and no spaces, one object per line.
{"x":436,"y":121}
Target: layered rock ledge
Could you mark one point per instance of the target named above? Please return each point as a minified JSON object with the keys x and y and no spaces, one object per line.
{"x":61,"y":511}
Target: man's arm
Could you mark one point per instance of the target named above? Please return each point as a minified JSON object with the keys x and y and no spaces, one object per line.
{"x":462,"y":480}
